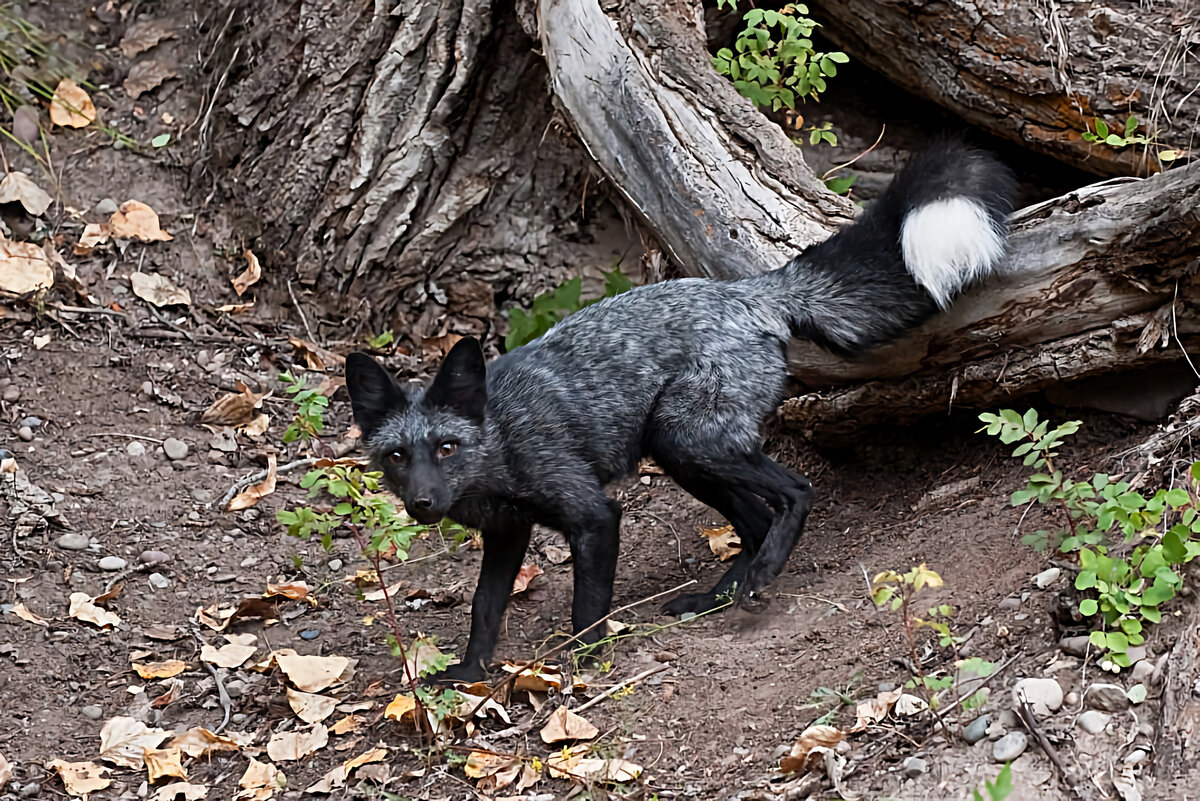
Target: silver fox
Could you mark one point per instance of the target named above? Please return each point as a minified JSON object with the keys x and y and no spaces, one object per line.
{"x":685,"y":371}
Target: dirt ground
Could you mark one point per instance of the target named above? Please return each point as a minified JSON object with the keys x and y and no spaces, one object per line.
{"x":112,"y":379}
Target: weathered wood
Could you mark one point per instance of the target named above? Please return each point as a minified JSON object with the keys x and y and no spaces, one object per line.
{"x":1036,"y":73}
{"x":1178,"y":734}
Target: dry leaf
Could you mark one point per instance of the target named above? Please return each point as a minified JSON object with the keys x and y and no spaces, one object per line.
{"x":309,"y":707}
{"x":234,"y":409}
{"x":18,"y":187}
{"x":347,"y":725}
{"x":123,"y":740}
{"x":83,"y":608}
{"x":199,"y":742}
{"x":190,"y":792}
{"x":258,"y":426}
{"x":250,"y":275}
{"x":235,"y":308}
{"x":160,"y":670}
{"x":291,"y":745}
{"x":908,"y":705}
{"x":5,"y":772}
{"x":158,"y":290}
{"x":145,"y":76}
{"x":136,"y":220}
{"x":312,"y":673}
{"x":377,"y":595}
{"x":221,"y":619}
{"x":811,"y":738}
{"x":260,"y":781}
{"x":80,"y":778}
{"x":874,"y":710}
{"x":94,"y":235}
{"x":240,"y":647}
{"x":163,"y":763}
{"x":402,"y":706}
{"x":724,"y":542}
{"x":526,"y":574}
{"x":566,"y":725}
{"x":314,"y":356}
{"x":570,"y":763}
{"x":337,"y":777}
{"x":20,"y":611}
{"x":24,"y":268}
{"x":70,"y":106}
{"x":254,"y":493}
{"x":141,"y":36}
{"x":292,"y":590}
{"x":484,"y":763}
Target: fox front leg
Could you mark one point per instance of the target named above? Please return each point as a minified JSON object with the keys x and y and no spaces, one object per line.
{"x":595,"y":541}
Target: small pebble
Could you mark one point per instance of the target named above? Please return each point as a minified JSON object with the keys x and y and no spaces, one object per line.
{"x":1044,"y":695}
{"x":112,"y":563}
{"x":1075,"y":646}
{"x":976,"y":730}
{"x":235,"y":688}
{"x":309,"y":634}
{"x":1010,"y":603}
{"x":914,"y":767}
{"x":31,"y":421}
{"x":1010,"y":746}
{"x":1093,"y":721}
{"x":666,"y":656}
{"x":1135,"y":757}
{"x":93,"y":712}
{"x":153,"y":557}
{"x":175,"y":449}
{"x":224,"y":578}
{"x":105,"y":208}
{"x":11,"y":393}
{"x":1046,"y":578}
{"x":31,"y":790}
{"x":886,"y":687}
{"x":158,"y":581}
{"x":1142,"y":672}
{"x":1071,"y":698}
{"x":335,"y":565}
{"x":25,"y":433}
{"x":238,"y":718}
{"x":73,"y":541}
{"x":1106,"y":697}
{"x":135,"y":449}
{"x":200,"y":495}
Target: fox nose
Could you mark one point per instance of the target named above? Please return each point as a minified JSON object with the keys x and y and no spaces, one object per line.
{"x":421,"y":504}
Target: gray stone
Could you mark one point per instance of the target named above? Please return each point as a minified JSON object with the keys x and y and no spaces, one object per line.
{"x":135,"y":449}
{"x":235,"y":688}
{"x":1136,"y":653}
{"x":31,"y":421}
{"x":224,"y":578}
{"x":1093,"y":721}
{"x":1106,"y":697}
{"x":335,"y":564}
{"x":1075,"y":646}
{"x":93,"y":712}
{"x":25,"y":433}
{"x":158,"y":581}
{"x":73,"y":541}
{"x":201,"y":495}
{"x":1071,"y":699}
{"x":976,"y":730}
{"x":112,"y":563}
{"x":1046,"y":578}
{"x":11,"y":393}
{"x":1135,"y":757}
{"x":152,"y":557}
{"x":914,"y":767}
{"x":240,"y":718}
{"x":175,"y":449}
{"x":1010,"y":603}
{"x":1010,"y":746}
{"x":1044,"y":695}
{"x":31,"y":790}
{"x":105,"y":208}
{"x":1142,"y":672}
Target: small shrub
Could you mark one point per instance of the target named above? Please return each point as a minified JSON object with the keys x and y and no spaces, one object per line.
{"x":549,"y":308}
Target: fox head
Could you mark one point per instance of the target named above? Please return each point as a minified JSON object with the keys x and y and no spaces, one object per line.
{"x":427,"y":443}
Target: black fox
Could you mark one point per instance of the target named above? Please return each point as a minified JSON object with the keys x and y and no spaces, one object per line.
{"x":685,"y":371}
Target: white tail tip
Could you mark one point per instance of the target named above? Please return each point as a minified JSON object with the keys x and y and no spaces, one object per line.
{"x":948,"y":244}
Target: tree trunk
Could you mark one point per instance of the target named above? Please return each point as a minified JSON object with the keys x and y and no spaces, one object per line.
{"x":1036,"y":73}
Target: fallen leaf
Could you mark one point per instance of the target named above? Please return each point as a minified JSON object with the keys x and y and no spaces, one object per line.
{"x":570,"y":764}
{"x":811,"y":738}
{"x":5,"y":772}
{"x":190,"y":792}
{"x":141,"y":36}
{"x":240,"y":647}
{"x":94,"y":235}
{"x":337,"y":777}
{"x":24,"y":268}
{"x":70,"y":106}
{"x":146,"y":76}
{"x":136,"y":220}
{"x":402,"y":706}
{"x":235,"y":308}
{"x":566,"y":725}
{"x":908,"y":705}
{"x":235,"y":408}
{"x":160,"y":670}
{"x":292,"y":590}
{"x":556,"y":554}
{"x":174,"y":688}
{"x":260,"y":781}
{"x":123,"y":740}
{"x":312,"y":673}
{"x":254,"y":493}
{"x":258,"y":426}
{"x":724,"y":542}
{"x":40,"y":342}
{"x":80,"y":778}
{"x":83,"y":608}
{"x":113,"y":594}
{"x":484,"y":763}
{"x":873,"y":710}
{"x":377,"y":595}
{"x":292,"y":745}
{"x":315,"y":357}
{"x":199,"y":742}
{"x":69,"y":273}
{"x":18,"y":187}
{"x":219,"y":619}
{"x":163,"y":763}
{"x":158,"y":290}
{"x":250,"y":275}
{"x":526,"y":574}
{"x":347,"y":725}
{"x":309,"y":707}
{"x":29,"y":617}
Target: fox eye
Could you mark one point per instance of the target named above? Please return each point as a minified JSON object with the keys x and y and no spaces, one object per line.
{"x":397,"y":458}
{"x":447,"y":449}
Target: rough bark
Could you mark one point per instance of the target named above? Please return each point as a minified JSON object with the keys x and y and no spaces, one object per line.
{"x":1036,"y":73}
{"x":1178,"y":733}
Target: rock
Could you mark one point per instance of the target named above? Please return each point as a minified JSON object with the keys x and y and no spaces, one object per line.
{"x":235,"y":688}
{"x":914,"y":767}
{"x":152,"y":557}
{"x":200,"y":495}
{"x":1010,"y":746}
{"x":175,"y":449}
{"x":135,"y":449}
{"x":105,"y":208}
{"x":31,"y":421}
{"x":310,"y":634}
{"x":1093,"y":721}
{"x":240,"y":718}
{"x":1143,"y":672}
{"x":1075,"y":646}
{"x":73,"y":541}
{"x":224,"y":578}
{"x":31,"y":790}
{"x":1071,"y":699}
{"x":112,"y":563}
{"x":1044,"y":695}
{"x":995,"y":730}
{"x":666,"y":656}
{"x":976,"y":730}
{"x":1136,"y":653}
{"x":1135,"y":757}
{"x":11,"y":393}
{"x":885,"y":687}
{"x":158,"y":581}
{"x":1010,"y":603}
{"x":335,"y":564}
{"x":1106,"y":697}
{"x":25,"y":433}
{"x":92,"y":712}
{"x":1046,"y":578}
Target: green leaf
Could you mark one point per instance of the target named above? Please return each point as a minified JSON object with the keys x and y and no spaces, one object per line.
{"x":162,"y":140}
{"x":1088,"y":607}
{"x":1098,"y":639}
{"x":840,"y":186}
{"x":1101,"y":128}
{"x":1114,"y":141}
{"x":1086,"y":579}
{"x":840,"y":58}
{"x":1131,"y":124}
{"x":1174,"y":547}
{"x":1137,"y":693}
{"x":1117,"y":642}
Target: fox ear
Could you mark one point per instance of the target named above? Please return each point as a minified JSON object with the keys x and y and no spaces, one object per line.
{"x":461,"y":383}
{"x":374,"y":394}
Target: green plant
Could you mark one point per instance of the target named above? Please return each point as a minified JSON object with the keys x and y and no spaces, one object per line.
{"x":1000,"y":789}
{"x":822,"y":133}
{"x":309,"y":421}
{"x":549,"y":308}
{"x":1130,"y":546}
{"x":773,"y":61}
{"x":381,"y":341}
{"x":1099,"y":133}
{"x":840,"y":186}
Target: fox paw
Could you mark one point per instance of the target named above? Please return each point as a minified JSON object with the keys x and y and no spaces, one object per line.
{"x":463,"y":671}
{"x":696,"y":603}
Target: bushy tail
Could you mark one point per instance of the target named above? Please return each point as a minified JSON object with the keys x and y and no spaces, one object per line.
{"x":937,"y":227}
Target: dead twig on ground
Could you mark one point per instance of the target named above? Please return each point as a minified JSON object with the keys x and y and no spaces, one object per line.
{"x":1029,"y":721}
{"x":616,"y":688}
{"x":222,"y":693}
{"x":253,"y":478}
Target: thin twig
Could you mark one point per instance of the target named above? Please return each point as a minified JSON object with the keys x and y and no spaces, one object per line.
{"x":246,"y":481}
{"x":222,"y":693}
{"x":1029,"y":721}
{"x":121,"y":434}
{"x":300,"y":311}
{"x":832,"y":170}
{"x":616,"y":688}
